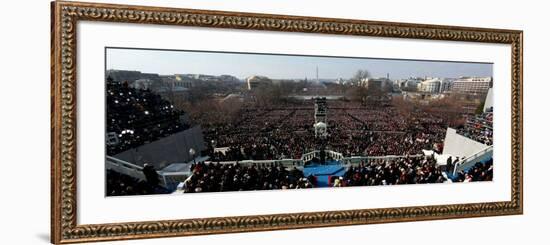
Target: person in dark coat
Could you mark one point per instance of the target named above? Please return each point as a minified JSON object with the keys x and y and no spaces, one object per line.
{"x":449,"y":164}
{"x":151,"y":175}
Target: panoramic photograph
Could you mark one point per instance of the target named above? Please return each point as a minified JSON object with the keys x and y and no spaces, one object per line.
{"x":188,"y":121}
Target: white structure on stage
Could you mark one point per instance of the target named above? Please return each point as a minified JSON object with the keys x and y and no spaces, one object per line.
{"x":320,"y":129}
{"x":320,"y":125}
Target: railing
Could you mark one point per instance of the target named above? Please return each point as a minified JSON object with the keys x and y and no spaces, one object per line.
{"x":335,"y":155}
{"x":309,"y":156}
{"x":331,"y":154}
{"x":266,"y":163}
{"x":124,"y":167}
{"x":356,"y":160}
{"x":168,"y":180}
{"x":471,"y":160}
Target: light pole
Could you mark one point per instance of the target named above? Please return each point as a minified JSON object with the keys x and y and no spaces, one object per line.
{"x":192,"y":153}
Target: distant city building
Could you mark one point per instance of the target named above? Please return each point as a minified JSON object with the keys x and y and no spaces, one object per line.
{"x":431,"y":85}
{"x":376,"y":84}
{"x":143,"y":83}
{"x":206,"y":78}
{"x":446,"y":85}
{"x":179,"y":80}
{"x":130,"y":76}
{"x":472,"y":85}
{"x":257,"y":81}
{"x":228,"y":78}
{"x":409,"y":84}
{"x":201,"y":77}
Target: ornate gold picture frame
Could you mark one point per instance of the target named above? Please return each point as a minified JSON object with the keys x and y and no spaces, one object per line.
{"x":64,"y":107}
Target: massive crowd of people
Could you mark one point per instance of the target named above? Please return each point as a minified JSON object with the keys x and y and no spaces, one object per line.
{"x":214,"y":177}
{"x":281,"y":130}
{"x":406,"y":170}
{"x":137,"y":116}
{"x":286,"y":131}
{"x":479,"y":128}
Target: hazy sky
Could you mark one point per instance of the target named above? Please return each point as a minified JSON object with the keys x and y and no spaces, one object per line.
{"x":168,"y":62}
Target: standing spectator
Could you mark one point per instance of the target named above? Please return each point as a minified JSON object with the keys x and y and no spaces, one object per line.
{"x":151,"y":175}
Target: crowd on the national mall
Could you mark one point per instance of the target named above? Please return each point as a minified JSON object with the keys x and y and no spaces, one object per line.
{"x":284,"y":131}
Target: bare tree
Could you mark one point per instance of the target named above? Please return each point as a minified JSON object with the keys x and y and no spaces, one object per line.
{"x":359,"y":76}
{"x":360,"y":93}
